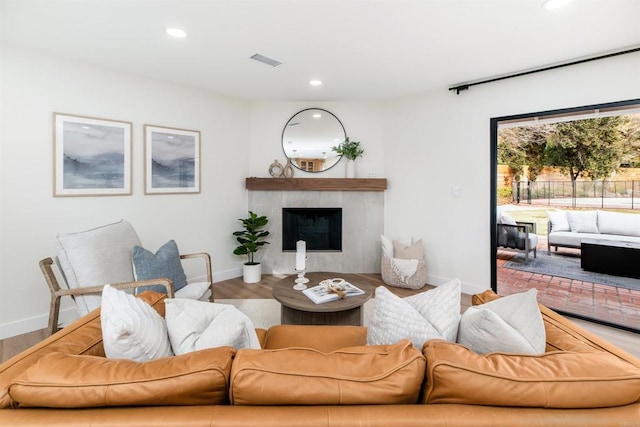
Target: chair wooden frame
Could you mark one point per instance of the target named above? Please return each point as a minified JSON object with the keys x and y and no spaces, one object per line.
{"x":57,"y":292}
{"x":524,"y":227}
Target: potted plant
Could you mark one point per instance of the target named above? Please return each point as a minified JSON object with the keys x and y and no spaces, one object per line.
{"x":351,"y":150}
{"x":250,"y":240}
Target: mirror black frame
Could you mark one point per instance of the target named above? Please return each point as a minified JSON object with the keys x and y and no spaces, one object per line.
{"x":293,"y":162}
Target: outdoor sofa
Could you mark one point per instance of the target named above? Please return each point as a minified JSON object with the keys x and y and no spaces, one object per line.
{"x":322,"y":375}
{"x":569,"y":228}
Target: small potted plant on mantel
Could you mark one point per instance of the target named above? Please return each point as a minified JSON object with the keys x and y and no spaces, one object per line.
{"x":351,"y":150}
{"x":250,"y":240}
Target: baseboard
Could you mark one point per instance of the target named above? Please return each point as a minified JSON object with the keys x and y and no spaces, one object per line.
{"x":30,"y":324}
{"x":467,"y":288}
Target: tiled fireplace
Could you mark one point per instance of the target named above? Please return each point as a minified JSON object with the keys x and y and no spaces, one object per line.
{"x":362,"y":224}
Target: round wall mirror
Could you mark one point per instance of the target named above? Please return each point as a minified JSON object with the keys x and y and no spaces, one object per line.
{"x":307,"y":139}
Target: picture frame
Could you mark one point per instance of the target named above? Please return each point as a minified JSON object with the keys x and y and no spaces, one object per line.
{"x":92,"y":156}
{"x":172,"y":160}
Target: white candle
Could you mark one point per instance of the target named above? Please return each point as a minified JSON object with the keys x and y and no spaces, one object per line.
{"x":301,"y":249}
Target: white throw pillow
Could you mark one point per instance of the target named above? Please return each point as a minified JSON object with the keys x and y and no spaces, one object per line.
{"x":512,"y":324}
{"x":387,"y":245}
{"x":559,"y":221}
{"x":583,"y":221}
{"x":131,"y":328}
{"x":507,"y":219}
{"x":433,"y":314}
{"x":196,"y":325}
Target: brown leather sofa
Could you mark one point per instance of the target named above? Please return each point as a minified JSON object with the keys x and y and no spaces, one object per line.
{"x":322,"y":376}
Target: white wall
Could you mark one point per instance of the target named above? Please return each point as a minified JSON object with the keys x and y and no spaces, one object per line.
{"x":362,"y":121}
{"x":439,"y":140}
{"x":34,"y":86}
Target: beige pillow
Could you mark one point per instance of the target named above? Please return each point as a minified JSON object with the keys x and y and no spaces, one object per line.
{"x":60,"y":380}
{"x":403,"y":251}
{"x":557,"y":379}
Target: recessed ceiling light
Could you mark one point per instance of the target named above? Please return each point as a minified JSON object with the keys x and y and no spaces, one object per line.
{"x":176,"y":32}
{"x":315,"y":82}
{"x":555,"y":4}
{"x":317,"y":115}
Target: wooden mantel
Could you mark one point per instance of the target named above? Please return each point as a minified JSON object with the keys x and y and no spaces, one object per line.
{"x":316,"y":184}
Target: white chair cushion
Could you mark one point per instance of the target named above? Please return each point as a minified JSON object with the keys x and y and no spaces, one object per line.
{"x":196,"y":325}
{"x":433,"y":314}
{"x":95,"y":257}
{"x":196,"y":290}
{"x":619,"y":223}
{"x":131,"y":328}
{"x":512,"y":324}
{"x":583,"y":221}
{"x":559,"y":221}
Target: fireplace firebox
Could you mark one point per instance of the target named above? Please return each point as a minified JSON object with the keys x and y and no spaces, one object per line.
{"x":321,"y":228}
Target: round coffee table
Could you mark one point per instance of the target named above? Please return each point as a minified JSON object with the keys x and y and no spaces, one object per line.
{"x":298,"y":309}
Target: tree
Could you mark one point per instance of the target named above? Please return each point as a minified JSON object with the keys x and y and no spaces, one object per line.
{"x":591,"y":147}
{"x":524,"y":146}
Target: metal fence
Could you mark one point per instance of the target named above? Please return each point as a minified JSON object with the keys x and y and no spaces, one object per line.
{"x":587,"y":194}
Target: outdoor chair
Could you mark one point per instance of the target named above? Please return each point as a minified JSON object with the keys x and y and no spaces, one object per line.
{"x":520,"y":235}
{"x":88,"y":260}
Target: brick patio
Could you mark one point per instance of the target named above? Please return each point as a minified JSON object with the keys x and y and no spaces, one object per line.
{"x":593,"y":300}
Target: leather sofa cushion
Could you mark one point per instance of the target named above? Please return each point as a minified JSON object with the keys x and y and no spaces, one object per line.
{"x":321,"y":338}
{"x":351,"y":376}
{"x":456,"y":374}
{"x":84,"y":336}
{"x":68,"y":381}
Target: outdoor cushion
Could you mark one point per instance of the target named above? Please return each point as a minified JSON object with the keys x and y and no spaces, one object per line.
{"x":60,"y":380}
{"x":350,"y":376}
{"x":583,"y":221}
{"x":558,"y":379}
{"x":95,"y":257}
{"x":622,"y":224}
{"x":559,"y":221}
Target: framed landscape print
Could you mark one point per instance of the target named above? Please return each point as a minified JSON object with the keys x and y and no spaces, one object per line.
{"x":172,"y":160}
{"x":92,"y":157}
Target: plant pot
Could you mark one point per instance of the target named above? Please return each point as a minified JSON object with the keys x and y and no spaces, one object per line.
{"x":350,"y":171}
{"x":251,"y":273}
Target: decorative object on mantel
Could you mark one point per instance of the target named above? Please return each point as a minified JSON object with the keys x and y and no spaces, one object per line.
{"x":276,"y":170}
{"x":250,"y":241}
{"x":351,"y":150}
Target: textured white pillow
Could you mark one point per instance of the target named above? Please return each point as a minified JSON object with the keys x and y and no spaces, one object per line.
{"x":131,"y":328}
{"x":387,"y":246}
{"x":583,"y":221}
{"x":559,"y":221}
{"x":196,"y":325}
{"x":433,"y":314}
{"x":512,"y":324}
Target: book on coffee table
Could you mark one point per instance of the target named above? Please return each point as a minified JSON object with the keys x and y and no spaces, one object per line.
{"x":324,"y":293}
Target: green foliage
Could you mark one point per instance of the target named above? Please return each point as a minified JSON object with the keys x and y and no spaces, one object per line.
{"x":524,"y":146}
{"x":350,"y":149}
{"x":591,"y":148}
{"x":250,"y":238}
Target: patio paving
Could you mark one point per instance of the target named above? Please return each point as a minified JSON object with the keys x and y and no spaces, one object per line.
{"x":592,"y":300}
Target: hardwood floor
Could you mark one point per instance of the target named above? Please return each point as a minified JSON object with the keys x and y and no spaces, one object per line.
{"x":237,"y":289}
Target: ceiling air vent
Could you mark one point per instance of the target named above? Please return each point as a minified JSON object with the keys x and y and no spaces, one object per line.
{"x":265,"y":60}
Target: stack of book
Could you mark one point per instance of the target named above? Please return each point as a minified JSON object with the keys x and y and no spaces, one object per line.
{"x":324,"y":293}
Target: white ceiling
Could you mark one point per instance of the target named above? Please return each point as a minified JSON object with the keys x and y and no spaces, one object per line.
{"x":361,"y":50}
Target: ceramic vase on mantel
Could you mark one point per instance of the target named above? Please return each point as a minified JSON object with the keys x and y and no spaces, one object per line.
{"x":351,"y":169}
{"x":251,"y":273}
